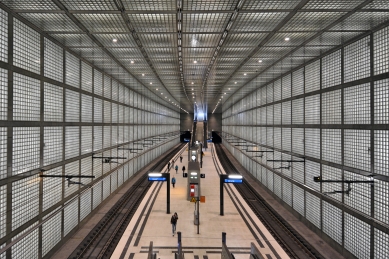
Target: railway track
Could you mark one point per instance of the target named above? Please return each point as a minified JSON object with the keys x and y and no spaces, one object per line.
{"x":292,"y":242}
{"x":104,"y":237}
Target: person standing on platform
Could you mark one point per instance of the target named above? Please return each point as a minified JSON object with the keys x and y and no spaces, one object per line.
{"x":173,"y":181}
{"x":183,"y":170}
{"x":173,"y":221}
{"x":176,"y":168}
{"x":180,"y":159}
{"x":168,"y":166}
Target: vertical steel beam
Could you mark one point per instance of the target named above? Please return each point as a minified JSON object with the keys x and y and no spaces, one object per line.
{"x":342,"y":137}
{"x":372,"y":122}
{"x":42,"y":144}
{"x":9,"y":130}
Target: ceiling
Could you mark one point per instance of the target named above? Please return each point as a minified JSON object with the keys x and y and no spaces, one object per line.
{"x":199,"y":53}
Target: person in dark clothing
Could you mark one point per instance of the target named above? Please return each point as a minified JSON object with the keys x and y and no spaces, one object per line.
{"x":168,"y":166}
{"x":173,"y":221}
{"x":180,"y":159}
{"x":173,"y":181}
{"x":176,"y":168}
{"x":183,"y":169}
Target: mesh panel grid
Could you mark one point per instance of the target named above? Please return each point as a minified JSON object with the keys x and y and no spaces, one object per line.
{"x":86,"y":139}
{"x":97,"y":194}
{"x":381,"y":51}
{"x":357,"y":149}
{"x":25,"y":200}
{"x":3,"y":93}
{"x":312,"y":78}
{"x":98,"y":110}
{"x":332,"y":145}
{"x":3,"y":151}
{"x":381,"y":152}
{"x":381,"y":101}
{"x":298,"y":199}
{"x":85,"y":204}
{"x":26,"y":47}
{"x":356,"y":236}
{"x":51,"y":233}
{"x":298,"y":111}
{"x":25,"y":153}
{"x":312,"y":109}
{"x":381,"y":201}
{"x":26,"y":98}
{"x":98,"y":83}
{"x":72,"y":168}
{"x":298,"y":140}
{"x":286,"y":86}
{"x":359,"y":197}
{"x":86,"y":108}
{"x":70,"y":214}
{"x":381,"y":248}
{"x":72,"y":70}
{"x":357,"y":60}
{"x":26,"y":247}
{"x":3,"y":210}
{"x":286,"y":113}
{"x":313,"y":212}
{"x":312,"y":169}
{"x":86,"y":77}
{"x":287,"y":191}
{"x":72,"y":113}
{"x":298,"y":82}
{"x":53,"y":102}
{"x":331,"y":107}
{"x":52,"y":188}
{"x":331,"y":69}
{"x":53,"y":61}
{"x":332,"y":222}
{"x":52,"y":150}
{"x":72,"y":141}
{"x":312,"y":142}
{"x":357,"y":104}
{"x":3,"y":36}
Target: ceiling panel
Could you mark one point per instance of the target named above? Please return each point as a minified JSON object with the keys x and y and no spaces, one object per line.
{"x":52,"y":22}
{"x":258,"y":22}
{"x":153,"y":22}
{"x":102,"y":22}
{"x":150,"y":5}
{"x":205,"y":22}
{"x":271,"y":4}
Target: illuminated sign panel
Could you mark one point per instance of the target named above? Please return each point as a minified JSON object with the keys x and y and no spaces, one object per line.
{"x":233,"y":180}
{"x":157,"y":178}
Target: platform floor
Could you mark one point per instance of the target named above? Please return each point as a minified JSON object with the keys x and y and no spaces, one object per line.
{"x":154,"y":224}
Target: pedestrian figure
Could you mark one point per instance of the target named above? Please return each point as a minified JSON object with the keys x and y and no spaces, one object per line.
{"x":176,"y":168}
{"x":173,"y":221}
{"x":183,"y":170}
{"x":173,"y":181}
{"x":172,"y":163}
{"x":168,"y":165}
{"x":180,"y":159}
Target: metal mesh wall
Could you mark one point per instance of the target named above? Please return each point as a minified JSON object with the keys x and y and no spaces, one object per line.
{"x":334,"y":116}
{"x":57,"y":111}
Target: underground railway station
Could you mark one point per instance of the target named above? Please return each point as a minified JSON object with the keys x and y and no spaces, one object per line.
{"x":201,"y":129}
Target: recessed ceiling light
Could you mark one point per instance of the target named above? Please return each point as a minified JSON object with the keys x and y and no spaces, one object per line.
{"x":229,"y":88}
{"x":132,"y":61}
{"x":287,"y":39}
{"x":195,"y":61}
{"x":151,"y":83}
{"x":236,"y":82}
{"x":161,"y":93}
{"x":192,"y":93}
{"x":192,"y":83}
{"x":143,"y":74}
{"x":193,"y":96}
{"x":115,"y":40}
{"x":260,"y":61}
{"x":192,"y":89}
{"x":156,"y":88}
{"x":245,"y":74}
{"x":224,"y":93}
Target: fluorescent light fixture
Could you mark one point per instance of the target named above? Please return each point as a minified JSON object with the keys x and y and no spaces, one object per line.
{"x":155,"y":174}
{"x":287,"y":39}
{"x":115,"y":40}
{"x":193,"y":173}
{"x":235,"y":176}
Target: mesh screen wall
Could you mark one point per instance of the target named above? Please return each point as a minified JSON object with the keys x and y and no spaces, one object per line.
{"x":61,"y":109}
{"x":334,"y":113}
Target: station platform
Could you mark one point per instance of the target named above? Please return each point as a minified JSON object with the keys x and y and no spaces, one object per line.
{"x":151,"y":222}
